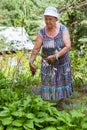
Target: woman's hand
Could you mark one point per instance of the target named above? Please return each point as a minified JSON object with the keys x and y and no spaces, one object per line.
{"x":50,"y":58}
{"x":32,"y":68}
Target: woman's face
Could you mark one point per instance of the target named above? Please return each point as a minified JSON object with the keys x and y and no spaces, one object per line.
{"x":50,"y":21}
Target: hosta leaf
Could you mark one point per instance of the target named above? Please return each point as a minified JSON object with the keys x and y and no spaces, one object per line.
{"x":39,"y":120}
{"x":65,"y":116}
{"x":26,"y":102}
{"x":38,"y":124}
{"x":18,"y":122}
{"x":14,"y":128}
{"x":62,"y":128}
{"x":12,"y":106}
{"x":55,"y":111}
{"x":30,"y":116}
{"x":49,"y":128}
{"x":50,"y":119}
{"x":50,"y":110}
{"x":42,"y":114}
{"x":65,"y":119}
{"x":28,"y":124}
{"x":61,"y":119}
{"x":4,"y":113}
{"x":18,"y":114}
{"x":5,"y":108}
{"x":76,"y":114}
{"x":26,"y":128}
{"x":7,"y":120}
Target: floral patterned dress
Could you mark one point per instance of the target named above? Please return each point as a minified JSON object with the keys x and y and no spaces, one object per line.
{"x":55,"y":76}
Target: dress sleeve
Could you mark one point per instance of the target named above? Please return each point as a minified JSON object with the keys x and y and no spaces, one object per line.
{"x":40,"y":32}
{"x":63,"y":28}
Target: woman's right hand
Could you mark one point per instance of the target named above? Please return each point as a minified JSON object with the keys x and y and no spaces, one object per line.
{"x":32,"y":68}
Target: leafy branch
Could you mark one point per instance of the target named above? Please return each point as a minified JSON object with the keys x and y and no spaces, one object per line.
{"x":73,"y":5}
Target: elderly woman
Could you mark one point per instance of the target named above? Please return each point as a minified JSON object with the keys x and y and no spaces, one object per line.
{"x":55,"y":42}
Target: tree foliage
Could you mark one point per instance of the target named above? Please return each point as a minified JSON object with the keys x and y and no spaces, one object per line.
{"x":28,"y":13}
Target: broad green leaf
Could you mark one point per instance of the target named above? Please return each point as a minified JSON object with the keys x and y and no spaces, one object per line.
{"x":62,"y":128}
{"x":26,"y":128}
{"x":30,"y":115}
{"x":66,"y":118}
{"x":28,"y":124}
{"x":42,"y":114}
{"x":49,"y":128}
{"x":55,"y":111}
{"x":39,"y":120}
{"x":18,"y":122}
{"x":50,"y":119}
{"x":61,"y":119}
{"x":13,"y":106}
{"x":18,"y":114}
{"x":4,"y":113}
{"x":7,"y":120}
{"x":14,"y":128}
{"x":76,"y":114}
{"x":38,"y":124}
{"x":26,"y":102}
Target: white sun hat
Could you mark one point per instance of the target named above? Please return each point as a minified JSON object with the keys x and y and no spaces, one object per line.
{"x":51,"y":11}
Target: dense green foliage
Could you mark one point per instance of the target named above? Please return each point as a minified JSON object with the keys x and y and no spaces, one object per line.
{"x":32,"y":113}
{"x":19,"y":110}
{"x":73,"y":14}
{"x":29,"y":13}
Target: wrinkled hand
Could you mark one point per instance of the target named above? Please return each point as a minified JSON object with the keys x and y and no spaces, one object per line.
{"x":32,"y":68}
{"x":50,"y":58}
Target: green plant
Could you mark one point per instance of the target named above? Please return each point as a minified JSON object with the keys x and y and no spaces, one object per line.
{"x":79,"y":70}
{"x":31,"y":112}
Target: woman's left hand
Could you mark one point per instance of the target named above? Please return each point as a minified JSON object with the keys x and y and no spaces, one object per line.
{"x":50,"y":58}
